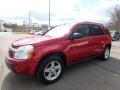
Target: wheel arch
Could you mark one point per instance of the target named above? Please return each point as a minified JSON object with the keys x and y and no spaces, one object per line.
{"x":61,"y":54}
{"x":108,"y":45}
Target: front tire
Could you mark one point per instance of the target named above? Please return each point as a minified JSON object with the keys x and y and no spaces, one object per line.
{"x":50,"y":69}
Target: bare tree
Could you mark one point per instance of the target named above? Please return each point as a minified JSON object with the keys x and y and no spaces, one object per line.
{"x":115,"y":18}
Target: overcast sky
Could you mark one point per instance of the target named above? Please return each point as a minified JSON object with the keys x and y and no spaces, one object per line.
{"x":62,"y":11}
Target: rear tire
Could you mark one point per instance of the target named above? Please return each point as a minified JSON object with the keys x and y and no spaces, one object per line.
{"x":106,"y":53}
{"x":50,"y":69}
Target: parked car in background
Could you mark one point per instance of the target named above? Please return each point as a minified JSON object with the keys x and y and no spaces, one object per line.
{"x":32,"y":32}
{"x":39,"y":33}
{"x":115,"y":35}
{"x":46,"y":56}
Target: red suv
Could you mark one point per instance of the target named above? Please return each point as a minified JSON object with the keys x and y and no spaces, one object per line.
{"x":45,"y":56}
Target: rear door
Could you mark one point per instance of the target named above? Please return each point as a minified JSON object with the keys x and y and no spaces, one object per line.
{"x":97,"y":38}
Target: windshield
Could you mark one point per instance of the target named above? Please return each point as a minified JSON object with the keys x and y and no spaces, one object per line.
{"x":59,"y":31}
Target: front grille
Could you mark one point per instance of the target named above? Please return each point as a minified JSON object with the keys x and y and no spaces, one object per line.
{"x":11,"y":52}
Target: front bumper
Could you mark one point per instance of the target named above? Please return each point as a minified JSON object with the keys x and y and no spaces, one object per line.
{"x":26,"y":67}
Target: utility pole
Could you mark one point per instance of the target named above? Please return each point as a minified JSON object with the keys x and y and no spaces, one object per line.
{"x":49,"y":15}
{"x":29,"y":18}
{"x":24,"y":27}
{"x":29,"y":15}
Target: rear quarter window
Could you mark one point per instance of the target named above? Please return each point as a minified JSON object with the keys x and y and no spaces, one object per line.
{"x":107,"y":32}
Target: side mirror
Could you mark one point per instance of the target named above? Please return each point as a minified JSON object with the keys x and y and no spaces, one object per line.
{"x":77,"y":35}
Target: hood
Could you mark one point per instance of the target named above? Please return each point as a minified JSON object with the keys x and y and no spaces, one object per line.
{"x":34,"y":40}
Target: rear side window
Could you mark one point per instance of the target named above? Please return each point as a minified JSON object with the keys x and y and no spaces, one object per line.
{"x":95,"y":30}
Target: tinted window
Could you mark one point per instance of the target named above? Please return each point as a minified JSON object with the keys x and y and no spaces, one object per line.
{"x":95,"y":30}
{"x":83,"y":29}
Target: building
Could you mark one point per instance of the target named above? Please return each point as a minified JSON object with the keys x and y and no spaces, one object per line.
{"x":9,"y":27}
{"x":35,"y":27}
{"x":5,"y":27}
{"x":1,"y":26}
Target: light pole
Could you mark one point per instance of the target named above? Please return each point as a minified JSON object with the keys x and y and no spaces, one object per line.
{"x":29,"y":15}
{"x":49,"y":15}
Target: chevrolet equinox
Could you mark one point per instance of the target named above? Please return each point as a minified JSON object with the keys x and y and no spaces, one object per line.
{"x":45,"y":56}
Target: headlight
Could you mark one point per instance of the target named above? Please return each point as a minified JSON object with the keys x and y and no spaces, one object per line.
{"x":24,"y":52}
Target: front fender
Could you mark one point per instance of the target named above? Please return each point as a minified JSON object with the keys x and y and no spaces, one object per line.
{"x":40,"y":52}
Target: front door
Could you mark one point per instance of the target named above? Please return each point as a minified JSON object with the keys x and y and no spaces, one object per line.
{"x":80,"y":47}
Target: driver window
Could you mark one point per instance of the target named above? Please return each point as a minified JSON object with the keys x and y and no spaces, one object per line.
{"x":83,"y":29}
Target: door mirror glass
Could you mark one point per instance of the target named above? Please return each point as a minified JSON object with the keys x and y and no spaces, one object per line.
{"x":77,"y":35}
{"x":80,"y":32}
